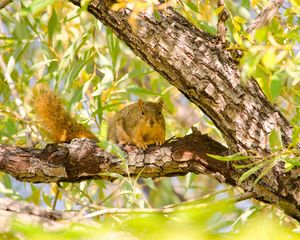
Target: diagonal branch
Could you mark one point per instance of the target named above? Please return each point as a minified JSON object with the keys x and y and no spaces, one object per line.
{"x":4,"y":3}
{"x":222,"y":17}
{"x":265,"y":16}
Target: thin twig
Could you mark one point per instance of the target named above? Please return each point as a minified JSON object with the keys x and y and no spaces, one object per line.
{"x":166,"y":210}
{"x":221,"y":27}
{"x":265,"y":16}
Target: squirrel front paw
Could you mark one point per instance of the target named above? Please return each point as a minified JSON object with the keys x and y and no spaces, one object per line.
{"x":142,"y":145}
{"x":159,"y":142}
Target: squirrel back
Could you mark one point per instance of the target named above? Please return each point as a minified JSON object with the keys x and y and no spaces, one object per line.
{"x":140,"y":123}
{"x":54,"y":118}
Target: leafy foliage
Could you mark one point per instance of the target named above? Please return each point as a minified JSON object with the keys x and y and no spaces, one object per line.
{"x":54,"y":43}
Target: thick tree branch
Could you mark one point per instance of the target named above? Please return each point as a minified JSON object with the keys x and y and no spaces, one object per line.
{"x":82,"y":159}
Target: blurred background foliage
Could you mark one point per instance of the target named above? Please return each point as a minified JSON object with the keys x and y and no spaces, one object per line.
{"x":54,"y":42}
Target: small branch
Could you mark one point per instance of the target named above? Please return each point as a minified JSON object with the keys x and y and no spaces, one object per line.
{"x":4,"y":3}
{"x":168,"y":209}
{"x":265,"y":16}
{"x":221,"y":27}
{"x":52,"y":219}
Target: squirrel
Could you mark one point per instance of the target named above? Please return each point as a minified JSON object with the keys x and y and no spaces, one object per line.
{"x":140,"y":123}
{"x":54,"y":118}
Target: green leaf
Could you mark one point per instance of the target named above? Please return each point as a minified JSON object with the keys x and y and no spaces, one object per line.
{"x":47,"y":199}
{"x":149,"y":182}
{"x":76,"y":68}
{"x":234,"y":157}
{"x":295,"y":136}
{"x":142,"y":91}
{"x":52,"y":25}
{"x":276,"y":86}
{"x":247,"y":174}
{"x":207,"y":27}
{"x":36,"y":6}
{"x":266,"y":170}
{"x":192,"y":6}
{"x":291,"y":162}
{"x":236,"y":25}
{"x":246,"y":4}
{"x":237,"y":37}
{"x":269,"y":58}
{"x":219,"y":9}
{"x":156,"y":14}
{"x":240,"y":19}
{"x":275,"y":140}
{"x":261,"y":34}
{"x":11,"y":65}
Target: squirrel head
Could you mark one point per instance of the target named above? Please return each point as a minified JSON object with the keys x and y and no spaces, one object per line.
{"x":151,"y":112}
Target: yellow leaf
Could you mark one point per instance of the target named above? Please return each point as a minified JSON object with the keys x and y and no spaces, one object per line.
{"x":240,"y":19}
{"x":118,"y":6}
{"x":219,"y":9}
{"x":254,"y":3}
{"x":236,"y":25}
{"x":237,"y":38}
{"x":269,"y":58}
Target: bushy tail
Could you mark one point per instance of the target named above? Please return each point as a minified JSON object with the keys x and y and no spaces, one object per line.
{"x":54,"y":118}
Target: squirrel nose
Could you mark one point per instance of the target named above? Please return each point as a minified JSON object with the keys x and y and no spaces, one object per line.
{"x":151,"y":122}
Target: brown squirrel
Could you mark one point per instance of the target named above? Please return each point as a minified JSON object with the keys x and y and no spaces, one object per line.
{"x":54,"y":118}
{"x":140,"y":123}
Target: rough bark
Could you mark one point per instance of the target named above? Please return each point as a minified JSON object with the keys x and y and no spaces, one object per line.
{"x":202,"y":70}
{"x":83,"y":159}
{"x":195,"y":63}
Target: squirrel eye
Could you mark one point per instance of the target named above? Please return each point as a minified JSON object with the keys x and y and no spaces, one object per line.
{"x":142,"y":113}
{"x":159,"y":113}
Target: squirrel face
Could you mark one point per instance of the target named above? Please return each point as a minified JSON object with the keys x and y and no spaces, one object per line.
{"x":151,"y":113}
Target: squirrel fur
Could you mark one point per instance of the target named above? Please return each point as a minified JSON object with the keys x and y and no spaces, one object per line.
{"x":54,"y":118}
{"x":140,"y":123}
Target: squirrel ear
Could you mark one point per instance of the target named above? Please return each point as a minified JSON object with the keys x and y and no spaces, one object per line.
{"x":140,"y":103}
{"x":160,"y":102}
